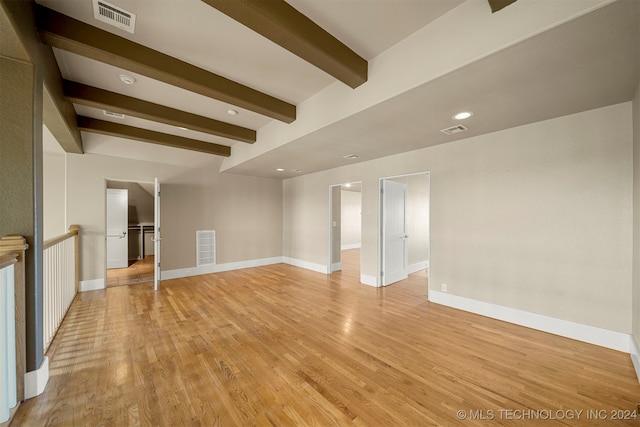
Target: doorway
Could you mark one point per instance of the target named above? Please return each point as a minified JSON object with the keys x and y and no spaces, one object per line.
{"x":404,"y":245}
{"x":345,"y":229}
{"x":130,"y":233}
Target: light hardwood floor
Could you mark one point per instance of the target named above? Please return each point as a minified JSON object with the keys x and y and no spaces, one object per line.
{"x":139,"y":271}
{"x":279,"y":345}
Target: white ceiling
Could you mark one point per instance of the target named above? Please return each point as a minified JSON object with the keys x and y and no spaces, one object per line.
{"x":589,"y":61}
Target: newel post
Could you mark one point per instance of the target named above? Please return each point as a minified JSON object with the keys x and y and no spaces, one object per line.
{"x":75,"y":230}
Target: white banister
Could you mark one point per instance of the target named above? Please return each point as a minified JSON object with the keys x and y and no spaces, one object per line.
{"x":8,"y":388}
{"x":60,"y":280}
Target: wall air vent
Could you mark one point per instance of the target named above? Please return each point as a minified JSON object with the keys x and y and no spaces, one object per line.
{"x":205,"y":247}
{"x":113,"y":115}
{"x":114,"y":15}
{"x":454,"y":129}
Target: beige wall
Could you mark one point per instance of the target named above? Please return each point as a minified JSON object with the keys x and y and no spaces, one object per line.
{"x":86,"y":201}
{"x":636,"y":217}
{"x":537,"y":218}
{"x":245,"y":212}
{"x":53,"y":195}
{"x":350,"y":218}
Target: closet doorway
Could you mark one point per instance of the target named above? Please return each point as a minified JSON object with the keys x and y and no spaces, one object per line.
{"x":130,"y":241}
{"x":345,"y":229}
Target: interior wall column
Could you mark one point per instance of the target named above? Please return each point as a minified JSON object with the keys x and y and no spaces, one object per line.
{"x":21,"y":213}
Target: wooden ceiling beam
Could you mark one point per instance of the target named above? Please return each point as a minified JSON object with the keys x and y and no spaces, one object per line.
{"x":283,"y":24}
{"x":103,"y":99}
{"x":497,"y":5}
{"x":66,"y":33}
{"x":88,"y":124}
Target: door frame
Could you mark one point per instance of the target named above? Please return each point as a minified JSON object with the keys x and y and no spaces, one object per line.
{"x":379,"y":277}
{"x":106,"y":183}
{"x":330,"y":253}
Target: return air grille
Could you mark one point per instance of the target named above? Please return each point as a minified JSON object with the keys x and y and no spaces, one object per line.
{"x":454,"y":129}
{"x":114,"y":15}
{"x":113,"y":115}
{"x":205,"y":247}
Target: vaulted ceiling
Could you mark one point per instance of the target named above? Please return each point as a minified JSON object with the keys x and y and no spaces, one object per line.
{"x":300,"y":85}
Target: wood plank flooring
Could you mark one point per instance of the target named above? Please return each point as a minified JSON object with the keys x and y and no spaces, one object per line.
{"x":139,"y":271}
{"x":283,"y":346}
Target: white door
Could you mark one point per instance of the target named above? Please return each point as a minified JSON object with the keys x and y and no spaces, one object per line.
{"x":394,"y":232}
{"x":117,"y":221}
{"x":156,"y":235}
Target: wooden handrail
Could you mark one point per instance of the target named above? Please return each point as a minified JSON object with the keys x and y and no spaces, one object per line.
{"x":73,"y":231}
{"x":13,"y":244}
{"x":8,"y":259}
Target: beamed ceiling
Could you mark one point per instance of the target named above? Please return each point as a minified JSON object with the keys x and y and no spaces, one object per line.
{"x":311,"y":82}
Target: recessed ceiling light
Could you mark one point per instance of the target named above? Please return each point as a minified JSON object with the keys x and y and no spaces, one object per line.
{"x":463,"y":115}
{"x":232,"y":112}
{"x":348,"y":185}
{"x":280,"y":170}
{"x":296,"y":170}
{"x":127,"y":79}
{"x":351,"y":157}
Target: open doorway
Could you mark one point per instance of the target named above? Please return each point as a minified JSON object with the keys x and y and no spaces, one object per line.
{"x":345,"y":229}
{"x":404,"y":227}
{"x":129,"y":234}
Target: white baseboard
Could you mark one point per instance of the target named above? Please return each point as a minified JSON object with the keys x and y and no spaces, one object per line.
{"x":369,"y":280}
{"x":414,"y":268}
{"x":635,"y":355}
{"x":336,"y":266}
{"x":577,"y":331}
{"x":218,"y":268}
{"x":350,"y":246}
{"x":36,"y":381}
{"x":91,"y":285}
{"x":306,"y":264}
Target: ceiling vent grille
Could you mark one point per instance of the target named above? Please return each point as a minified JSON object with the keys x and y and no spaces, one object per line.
{"x":113,"y":115}
{"x":205,"y":247}
{"x":454,"y":129}
{"x":114,"y":15}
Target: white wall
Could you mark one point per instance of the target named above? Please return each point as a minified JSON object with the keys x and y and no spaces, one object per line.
{"x":53,"y":195}
{"x":53,"y":186}
{"x":537,"y":218}
{"x":351,"y":206}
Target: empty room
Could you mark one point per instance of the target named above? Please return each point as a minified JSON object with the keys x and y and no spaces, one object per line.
{"x":302,"y":212}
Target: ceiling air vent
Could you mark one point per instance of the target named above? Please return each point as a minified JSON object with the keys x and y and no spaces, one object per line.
{"x":454,"y":129}
{"x":114,"y":15}
{"x":113,"y":115}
